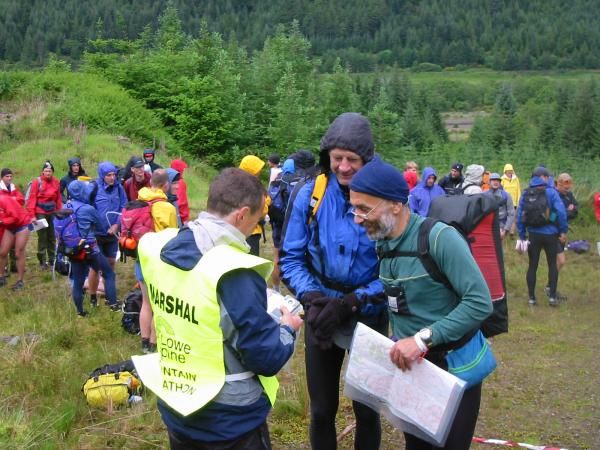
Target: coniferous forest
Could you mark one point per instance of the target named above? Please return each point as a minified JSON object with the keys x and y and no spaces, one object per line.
{"x":426,"y":35}
{"x":218,"y":101}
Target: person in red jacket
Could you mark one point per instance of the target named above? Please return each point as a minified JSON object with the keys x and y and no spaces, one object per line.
{"x":7,"y":187}
{"x":182,"y":199}
{"x":43,"y":200}
{"x":14,"y":221}
{"x":597,"y":206}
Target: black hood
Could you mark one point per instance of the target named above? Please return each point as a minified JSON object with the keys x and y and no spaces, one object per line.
{"x":76,"y":160}
{"x":349,"y":131}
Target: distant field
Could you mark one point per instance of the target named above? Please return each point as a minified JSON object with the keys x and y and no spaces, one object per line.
{"x":486,"y":76}
{"x":473,"y":90}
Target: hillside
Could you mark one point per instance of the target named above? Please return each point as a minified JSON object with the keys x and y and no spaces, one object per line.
{"x":506,"y":35}
{"x":56,"y":115}
{"x":545,"y":388}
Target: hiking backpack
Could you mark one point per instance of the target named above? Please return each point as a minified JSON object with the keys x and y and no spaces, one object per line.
{"x":535,"y":211}
{"x":316,"y":197}
{"x":132,"y":305}
{"x":70,"y":242}
{"x":136,"y":221}
{"x":579,"y":246}
{"x":112,"y":385}
{"x":278,"y":193}
{"x":28,"y":188}
{"x":475,"y":218}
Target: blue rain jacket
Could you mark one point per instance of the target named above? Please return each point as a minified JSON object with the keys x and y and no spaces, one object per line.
{"x":346,"y":254}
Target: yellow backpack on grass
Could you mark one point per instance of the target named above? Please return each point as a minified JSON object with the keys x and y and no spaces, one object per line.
{"x":112,"y":385}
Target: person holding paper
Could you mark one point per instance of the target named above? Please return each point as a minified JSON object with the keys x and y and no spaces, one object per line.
{"x":218,"y":348}
{"x":427,"y":317}
{"x":43,"y":200}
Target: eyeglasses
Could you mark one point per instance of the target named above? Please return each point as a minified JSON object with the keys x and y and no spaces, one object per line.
{"x":365,"y":216}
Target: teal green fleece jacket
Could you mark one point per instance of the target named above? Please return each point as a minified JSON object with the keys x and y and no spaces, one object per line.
{"x":450,"y":315}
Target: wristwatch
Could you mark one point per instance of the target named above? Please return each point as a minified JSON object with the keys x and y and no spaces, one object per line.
{"x":425,"y":335}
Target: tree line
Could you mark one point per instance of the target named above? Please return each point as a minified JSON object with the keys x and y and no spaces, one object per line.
{"x":500,"y":34}
{"x":218,"y":102}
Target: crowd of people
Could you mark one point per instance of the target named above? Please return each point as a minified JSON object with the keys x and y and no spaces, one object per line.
{"x":212,"y":348}
{"x":97,"y":205}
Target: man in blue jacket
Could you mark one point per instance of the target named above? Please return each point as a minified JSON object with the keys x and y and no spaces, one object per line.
{"x":87,"y":221}
{"x":331,"y":266}
{"x":544,"y":232}
{"x":109,"y":199}
{"x":424,"y":192}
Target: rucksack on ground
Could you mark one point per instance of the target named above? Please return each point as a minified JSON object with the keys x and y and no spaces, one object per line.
{"x":136,"y":220}
{"x":112,"y":385}
{"x":70,"y":242}
{"x":579,"y":246}
{"x":535,"y":210}
{"x":476,"y":218}
{"x":132,"y":305}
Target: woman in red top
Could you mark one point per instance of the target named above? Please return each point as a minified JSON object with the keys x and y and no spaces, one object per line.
{"x":182,"y":199}
{"x":14,"y":221}
{"x":44,"y":200}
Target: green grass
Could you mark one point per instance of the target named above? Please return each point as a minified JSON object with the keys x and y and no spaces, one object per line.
{"x":26,"y":160}
{"x":543,"y":392}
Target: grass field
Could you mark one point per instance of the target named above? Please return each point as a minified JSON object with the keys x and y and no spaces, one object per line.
{"x":545,"y":390}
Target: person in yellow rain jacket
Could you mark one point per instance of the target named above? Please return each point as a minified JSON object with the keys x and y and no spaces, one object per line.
{"x":253,"y":165}
{"x":512,"y":185}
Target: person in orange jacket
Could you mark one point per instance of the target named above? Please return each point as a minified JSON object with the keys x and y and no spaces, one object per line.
{"x":182,"y":199}
{"x":43,"y":200}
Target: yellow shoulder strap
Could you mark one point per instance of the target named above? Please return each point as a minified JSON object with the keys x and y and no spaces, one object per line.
{"x":317,"y":195}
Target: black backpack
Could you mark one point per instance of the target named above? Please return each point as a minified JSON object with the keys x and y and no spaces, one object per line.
{"x":535,"y":210}
{"x":132,"y":305}
{"x":279,"y":199}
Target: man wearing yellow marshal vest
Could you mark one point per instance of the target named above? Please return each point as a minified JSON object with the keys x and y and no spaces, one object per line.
{"x":218,"y":348}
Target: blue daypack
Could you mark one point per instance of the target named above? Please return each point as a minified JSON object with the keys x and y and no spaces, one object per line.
{"x":68,"y":237}
{"x":279,"y":199}
{"x":579,"y":246}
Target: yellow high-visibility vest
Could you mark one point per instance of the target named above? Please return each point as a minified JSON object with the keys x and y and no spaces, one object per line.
{"x":188,"y":370}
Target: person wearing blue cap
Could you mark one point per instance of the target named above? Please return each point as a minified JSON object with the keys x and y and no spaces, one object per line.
{"x":428,"y":317}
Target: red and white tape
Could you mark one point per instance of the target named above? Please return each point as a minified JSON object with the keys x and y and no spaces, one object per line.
{"x":514,"y":444}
